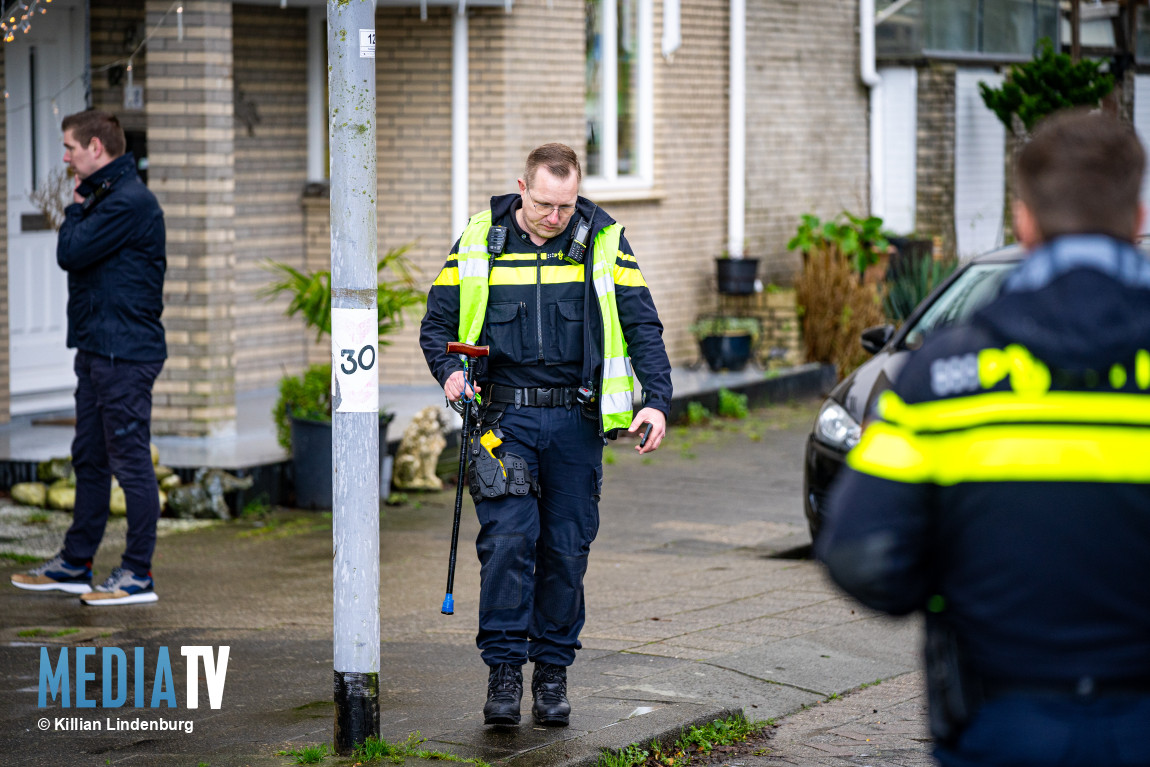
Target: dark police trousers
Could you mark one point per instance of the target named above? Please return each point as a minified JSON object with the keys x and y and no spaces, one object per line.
{"x":113,"y":436}
{"x":533,"y":549}
{"x":1054,"y":731}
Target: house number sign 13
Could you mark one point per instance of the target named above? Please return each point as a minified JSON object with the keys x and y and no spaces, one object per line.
{"x":355,"y":350}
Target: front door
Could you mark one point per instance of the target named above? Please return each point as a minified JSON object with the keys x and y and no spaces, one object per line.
{"x":44,"y":80}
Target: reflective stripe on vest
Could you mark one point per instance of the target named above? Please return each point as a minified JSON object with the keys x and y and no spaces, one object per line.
{"x":1009,"y":437}
{"x":617,"y":387}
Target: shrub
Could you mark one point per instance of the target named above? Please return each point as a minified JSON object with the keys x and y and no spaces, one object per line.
{"x":914,"y":281}
{"x":836,"y":306}
{"x":307,"y":396}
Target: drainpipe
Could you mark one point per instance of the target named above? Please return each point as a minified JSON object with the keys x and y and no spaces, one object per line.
{"x":737,"y":142}
{"x":869,"y":75}
{"x":459,"y":117}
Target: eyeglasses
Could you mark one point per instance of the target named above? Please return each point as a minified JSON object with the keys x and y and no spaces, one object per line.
{"x":547,"y":208}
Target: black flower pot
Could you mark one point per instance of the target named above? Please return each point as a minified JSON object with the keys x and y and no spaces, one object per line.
{"x":730,"y":352}
{"x":737,"y":275}
{"x":311,"y":460}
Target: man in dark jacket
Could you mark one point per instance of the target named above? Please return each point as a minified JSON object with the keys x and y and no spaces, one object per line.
{"x":546,"y":279}
{"x":112,"y":246}
{"x":1004,"y":488}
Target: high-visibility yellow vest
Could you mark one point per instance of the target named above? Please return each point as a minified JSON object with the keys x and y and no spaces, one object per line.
{"x":617,"y":385}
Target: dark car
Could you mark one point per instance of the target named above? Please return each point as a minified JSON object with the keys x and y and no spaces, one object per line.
{"x":838,"y":425}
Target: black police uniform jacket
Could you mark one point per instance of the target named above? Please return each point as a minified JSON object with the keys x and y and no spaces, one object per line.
{"x":545,"y":343}
{"x":115,"y":256}
{"x":1006,"y":483}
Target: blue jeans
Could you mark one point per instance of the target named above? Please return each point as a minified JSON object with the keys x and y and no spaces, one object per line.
{"x":1020,"y":730}
{"x":113,"y":436}
{"x":533,"y":550}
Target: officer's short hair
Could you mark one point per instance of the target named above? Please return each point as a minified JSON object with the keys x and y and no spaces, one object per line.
{"x":1081,"y":173}
{"x":559,"y":159}
{"x":93,"y":123}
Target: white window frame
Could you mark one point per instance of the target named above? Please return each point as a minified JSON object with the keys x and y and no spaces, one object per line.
{"x":610,"y":180}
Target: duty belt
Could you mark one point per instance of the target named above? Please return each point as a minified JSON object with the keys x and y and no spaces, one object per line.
{"x":1083,"y":687}
{"x":532,"y":397}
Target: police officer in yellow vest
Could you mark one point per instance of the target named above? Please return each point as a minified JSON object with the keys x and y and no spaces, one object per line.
{"x":1004,"y":488}
{"x":547,"y":280}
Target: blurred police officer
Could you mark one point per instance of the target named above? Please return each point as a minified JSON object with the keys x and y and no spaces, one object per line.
{"x":1004,"y":487}
{"x":546,"y":278}
{"x":112,"y":245}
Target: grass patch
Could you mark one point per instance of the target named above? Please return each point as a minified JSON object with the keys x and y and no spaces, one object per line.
{"x":692,"y":746}
{"x":697,"y":414}
{"x":38,"y":518}
{"x":307,"y":754}
{"x":732,"y":404}
{"x":273,"y":529}
{"x":38,"y":632}
{"x":21,"y":559}
{"x":257,"y":507}
{"x":373,"y":750}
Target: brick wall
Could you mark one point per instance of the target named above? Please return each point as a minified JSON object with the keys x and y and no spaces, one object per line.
{"x":191,"y":148}
{"x":117,"y":28}
{"x":934,"y":215}
{"x":807,"y":129}
{"x":413,"y":158}
{"x":270,"y":60}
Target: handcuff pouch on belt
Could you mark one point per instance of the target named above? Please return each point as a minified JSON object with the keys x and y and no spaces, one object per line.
{"x":494,"y":473}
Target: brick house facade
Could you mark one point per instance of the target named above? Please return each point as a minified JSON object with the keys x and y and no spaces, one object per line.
{"x":225,"y":117}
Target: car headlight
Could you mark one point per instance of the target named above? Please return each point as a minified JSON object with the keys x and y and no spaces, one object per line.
{"x":835,"y":427}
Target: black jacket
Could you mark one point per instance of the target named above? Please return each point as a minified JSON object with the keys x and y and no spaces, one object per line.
{"x":114,"y":253}
{"x":540,"y":330}
{"x":1010,"y":491}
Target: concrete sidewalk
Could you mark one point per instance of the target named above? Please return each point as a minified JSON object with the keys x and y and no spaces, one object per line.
{"x":696,"y":606}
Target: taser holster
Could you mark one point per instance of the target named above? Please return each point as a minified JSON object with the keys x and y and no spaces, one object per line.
{"x":493,"y":472}
{"x":952,"y":694}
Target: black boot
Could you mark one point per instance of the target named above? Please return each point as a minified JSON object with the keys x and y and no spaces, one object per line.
{"x":549,"y":688}
{"x":504,"y":692}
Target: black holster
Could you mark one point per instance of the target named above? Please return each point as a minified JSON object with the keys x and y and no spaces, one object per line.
{"x":495,"y":473}
{"x":952,"y":690}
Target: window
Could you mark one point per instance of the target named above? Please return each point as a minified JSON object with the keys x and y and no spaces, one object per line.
{"x":618,"y":90}
{"x":987,"y":27}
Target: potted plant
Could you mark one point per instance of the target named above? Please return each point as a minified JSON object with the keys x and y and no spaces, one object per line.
{"x":303,"y":410}
{"x":726,"y":342}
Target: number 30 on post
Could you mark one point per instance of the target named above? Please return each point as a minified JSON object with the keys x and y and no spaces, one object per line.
{"x":355,"y":350}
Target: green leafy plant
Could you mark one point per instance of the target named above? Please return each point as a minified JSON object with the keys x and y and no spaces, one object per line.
{"x":1046,"y":84}
{"x":912,"y":282}
{"x":306,"y":396}
{"x":724,"y":325}
{"x":834,"y":303}
{"x":310,"y":293}
{"x":732,"y":404}
{"x":859,"y":240}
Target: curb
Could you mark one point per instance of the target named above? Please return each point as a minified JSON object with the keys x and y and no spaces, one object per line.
{"x":584,"y":750}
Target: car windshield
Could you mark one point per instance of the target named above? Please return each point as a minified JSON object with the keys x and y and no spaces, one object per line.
{"x":973,"y":289}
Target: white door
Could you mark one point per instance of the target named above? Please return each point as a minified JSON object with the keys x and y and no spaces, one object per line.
{"x":43,"y":73}
{"x":899,"y":147}
{"x":1142,"y":125}
{"x":979,"y":165}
